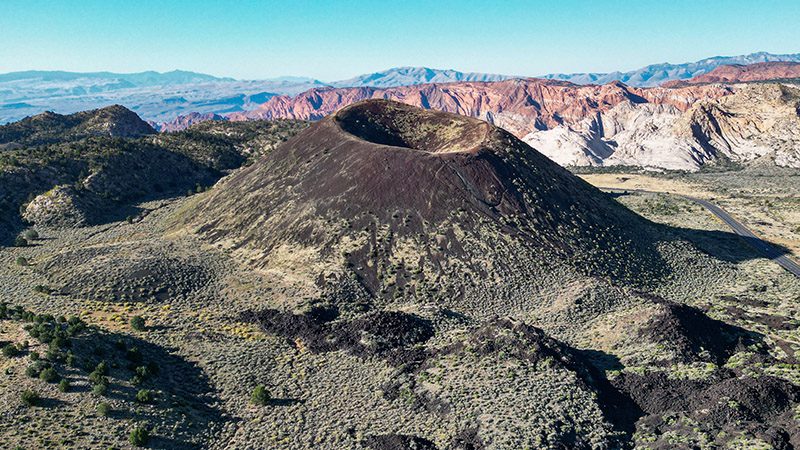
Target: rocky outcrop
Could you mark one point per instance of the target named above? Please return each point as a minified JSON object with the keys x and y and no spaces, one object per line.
{"x":61,"y":206}
{"x":520,"y":106}
{"x":185,"y":121}
{"x":755,"y":121}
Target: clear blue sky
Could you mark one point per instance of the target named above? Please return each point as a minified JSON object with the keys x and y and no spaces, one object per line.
{"x":337,"y":39}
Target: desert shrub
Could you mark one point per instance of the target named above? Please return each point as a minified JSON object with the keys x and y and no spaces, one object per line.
{"x":260,"y":395}
{"x":10,"y":351}
{"x":63,"y":385}
{"x":136,"y":380}
{"x":137,"y":323}
{"x":145,"y":396}
{"x":41,"y":289}
{"x":103,"y":409}
{"x":35,"y":369}
{"x":31,"y":235}
{"x":20,"y":242}
{"x":59,"y":342}
{"x":101,"y":368}
{"x":139,"y":437}
{"x":101,"y":388}
{"x":49,"y":375}
{"x":134,"y":355}
{"x":30,"y":398}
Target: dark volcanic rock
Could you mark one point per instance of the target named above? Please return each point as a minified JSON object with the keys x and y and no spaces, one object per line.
{"x":764,"y":406}
{"x":373,"y":333}
{"x":694,"y":335}
{"x":459,"y":190}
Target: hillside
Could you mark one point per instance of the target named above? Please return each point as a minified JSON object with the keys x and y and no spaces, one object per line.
{"x":408,"y":231}
{"x":76,"y":172}
{"x":334,"y":192}
{"x":49,"y":127}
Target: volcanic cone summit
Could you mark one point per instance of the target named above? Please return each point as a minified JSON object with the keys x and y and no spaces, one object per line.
{"x":407,"y":201}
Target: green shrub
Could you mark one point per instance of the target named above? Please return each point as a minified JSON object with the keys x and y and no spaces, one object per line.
{"x":63,"y":385}
{"x":54,"y":355}
{"x":41,"y":289}
{"x":139,"y":437}
{"x":49,"y":375}
{"x":145,"y":396}
{"x":137,"y":323}
{"x":260,"y":395}
{"x":36,"y":368}
{"x":34,"y":356}
{"x":103,"y":409}
{"x":20,"y":242}
{"x":31,"y":235}
{"x":100,"y":370}
{"x":30,"y":398}
{"x":134,"y":355}
{"x":101,"y":388}
{"x":10,"y":351}
{"x":21,"y":261}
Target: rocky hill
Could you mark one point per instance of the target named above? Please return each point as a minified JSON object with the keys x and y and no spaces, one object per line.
{"x":756,"y":120}
{"x":731,"y":74}
{"x":77,"y":173}
{"x":49,"y":127}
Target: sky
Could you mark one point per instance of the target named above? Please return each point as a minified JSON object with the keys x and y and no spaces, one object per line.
{"x":331,"y":40}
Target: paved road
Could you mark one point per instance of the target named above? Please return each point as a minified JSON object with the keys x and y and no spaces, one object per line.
{"x":748,"y":236}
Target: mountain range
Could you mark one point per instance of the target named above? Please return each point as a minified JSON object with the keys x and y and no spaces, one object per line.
{"x":161,"y":97}
{"x":655,"y":74}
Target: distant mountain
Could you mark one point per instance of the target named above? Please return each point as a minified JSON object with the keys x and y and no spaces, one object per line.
{"x":49,"y":127}
{"x":655,"y":74}
{"x":155,"y":96}
{"x":122,"y":80}
{"x":521,"y":106}
{"x":409,"y":76}
{"x":744,"y":74}
{"x":165,"y":97}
